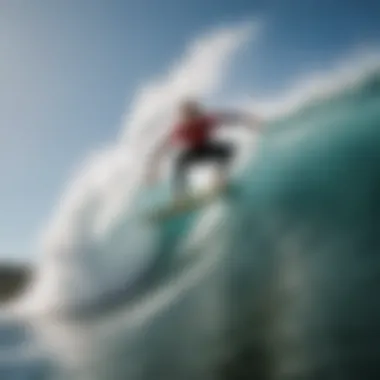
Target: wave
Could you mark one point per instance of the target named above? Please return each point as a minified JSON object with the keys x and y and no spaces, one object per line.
{"x":276,"y":270}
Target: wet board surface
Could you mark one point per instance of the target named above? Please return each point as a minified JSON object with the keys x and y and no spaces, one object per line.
{"x":184,"y":205}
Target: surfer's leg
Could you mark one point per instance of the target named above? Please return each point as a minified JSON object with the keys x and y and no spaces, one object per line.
{"x":222,"y":154}
{"x":179,"y":183}
{"x":181,"y":167}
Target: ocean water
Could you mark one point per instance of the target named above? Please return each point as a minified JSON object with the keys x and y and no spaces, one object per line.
{"x":279,"y":280}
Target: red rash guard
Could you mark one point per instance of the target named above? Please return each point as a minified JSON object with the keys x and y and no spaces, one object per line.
{"x":196,"y":132}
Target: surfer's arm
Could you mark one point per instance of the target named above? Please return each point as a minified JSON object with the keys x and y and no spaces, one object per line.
{"x":161,"y":149}
{"x":156,"y":158}
{"x":251,"y":121}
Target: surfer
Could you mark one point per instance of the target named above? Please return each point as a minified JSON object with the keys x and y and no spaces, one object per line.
{"x":193,"y":133}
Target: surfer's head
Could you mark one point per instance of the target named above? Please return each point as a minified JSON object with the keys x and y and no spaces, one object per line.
{"x":190,"y":108}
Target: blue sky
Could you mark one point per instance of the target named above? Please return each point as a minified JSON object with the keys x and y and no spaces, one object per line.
{"x":68,"y":69}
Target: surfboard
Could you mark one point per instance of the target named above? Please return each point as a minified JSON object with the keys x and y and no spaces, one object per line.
{"x":184,"y":205}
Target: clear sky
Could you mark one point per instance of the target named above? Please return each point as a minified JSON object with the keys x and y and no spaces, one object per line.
{"x":68,"y":69}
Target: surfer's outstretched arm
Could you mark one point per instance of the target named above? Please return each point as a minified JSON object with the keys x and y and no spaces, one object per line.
{"x":251,"y":121}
